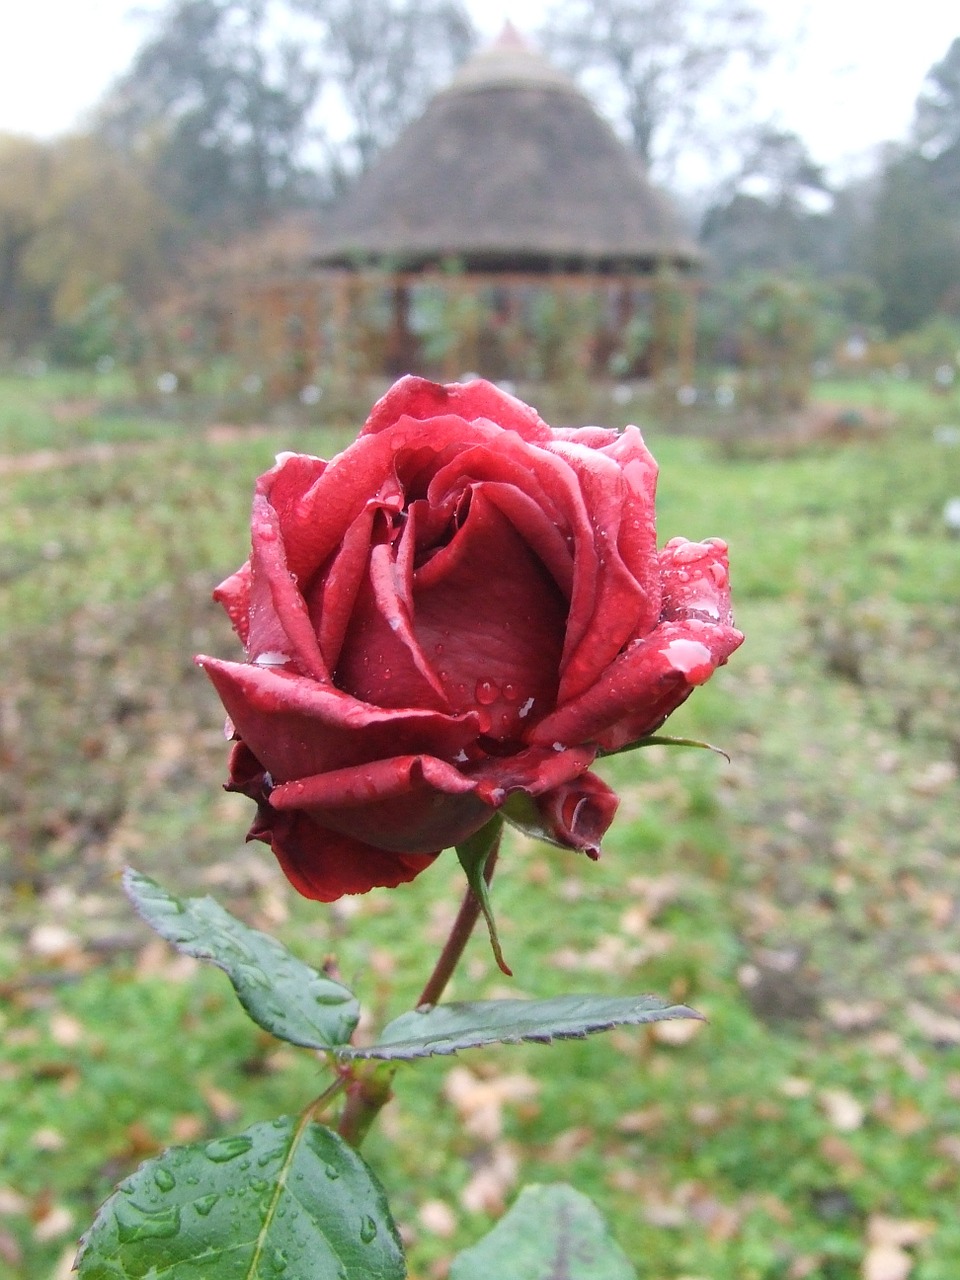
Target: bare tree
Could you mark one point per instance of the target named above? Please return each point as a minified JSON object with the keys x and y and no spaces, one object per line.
{"x":651,"y":63}
{"x":385,"y":58}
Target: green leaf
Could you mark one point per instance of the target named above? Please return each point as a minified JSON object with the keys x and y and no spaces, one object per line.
{"x":473,"y":855}
{"x":279,"y":992}
{"x":551,"y":1233}
{"x":284,"y":1200}
{"x":448,"y":1028}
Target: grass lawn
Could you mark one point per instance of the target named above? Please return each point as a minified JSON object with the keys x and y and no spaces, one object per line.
{"x":805,"y":897}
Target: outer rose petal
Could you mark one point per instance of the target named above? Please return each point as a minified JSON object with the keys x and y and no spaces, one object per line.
{"x":578,"y":814}
{"x":406,"y":804}
{"x":298,"y":728}
{"x":320,"y":864}
{"x":642,"y":687}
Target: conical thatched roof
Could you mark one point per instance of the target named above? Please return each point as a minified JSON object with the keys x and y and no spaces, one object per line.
{"x":509,"y":168}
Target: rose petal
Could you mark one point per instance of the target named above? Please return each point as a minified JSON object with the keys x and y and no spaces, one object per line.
{"x":494,"y":636}
{"x":418,"y":398}
{"x":279,"y":621}
{"x":381,"y":660}
{"x":616,"y":607}
{"x":578,"y":813}
{"x":406,"y":804}
{"x":234,"y":594}
{"x":696,"y":581}
{"x":320,"y":864}
{"x":331,"y":601}
{"x":642,"y":687}
{"x":297,"y":727}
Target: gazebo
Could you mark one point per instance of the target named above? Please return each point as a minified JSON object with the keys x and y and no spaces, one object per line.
{"x":507,"y":230}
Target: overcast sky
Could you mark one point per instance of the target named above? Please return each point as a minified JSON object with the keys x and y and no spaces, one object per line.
{"x":848,"y":83}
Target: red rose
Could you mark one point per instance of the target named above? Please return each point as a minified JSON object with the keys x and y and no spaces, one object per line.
{"x":462,"y":607}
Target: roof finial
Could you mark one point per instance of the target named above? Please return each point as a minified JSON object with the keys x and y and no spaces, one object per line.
{"x":510,"y":38}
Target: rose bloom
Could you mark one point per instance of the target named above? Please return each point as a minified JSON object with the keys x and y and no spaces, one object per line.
{"x":458,"y":613}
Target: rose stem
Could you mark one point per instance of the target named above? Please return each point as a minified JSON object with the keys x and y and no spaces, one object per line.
{"x":369,"y":1087}
{"x":463,"y":926}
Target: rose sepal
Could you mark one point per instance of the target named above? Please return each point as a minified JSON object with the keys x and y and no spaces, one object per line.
{"x":665,"y":740}
{"x":284,"y":996}
{"x":474,"y":854}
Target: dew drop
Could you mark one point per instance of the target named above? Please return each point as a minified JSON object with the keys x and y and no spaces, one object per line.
{"x":140,"y":1224}
{"x":511,"y":692}
{"x":204,"y":1205}
{"x":438,"y":649}
{"x":164,"y":1179}
{"x":368,"y":1229}
{"x":223,"y":1149}
{"x":332,"y":1173}
{"x":486,"y":692}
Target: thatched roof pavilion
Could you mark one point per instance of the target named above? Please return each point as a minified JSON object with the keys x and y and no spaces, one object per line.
{"x":508,"y":230}
{"x":510,"y":168}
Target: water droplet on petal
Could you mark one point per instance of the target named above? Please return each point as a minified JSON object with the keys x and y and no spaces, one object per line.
{"x":511,"y":692}
{"x":486,"y":692}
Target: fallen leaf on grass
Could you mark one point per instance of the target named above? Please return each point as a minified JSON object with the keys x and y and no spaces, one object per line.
{"x":646,"y":1120}
{"x":566,"y":1145}
{"x":66,"y":1030}
{"x":48,"y":1139}
{"x":12,"y":1202}
{"x":939,"y":1028}
{"x":480,"y":1102}
{"x":838,"y":1152}
{"x":187,"y":1128}
{"x":222,"y":1104}
{"x":487,"y":1190}
{"x":842,"y":1109}
{"x":56,"y":1222}
{"x":888,"y":1240}
{"x":886,"y":1262}
{"x":10,"y":1251}
{"x":949,"y":1146}
{"x":438,"y":1218}
{"x":677,"y":1033}
{"x":904,"y":1233}
{"x":853,"y":1015}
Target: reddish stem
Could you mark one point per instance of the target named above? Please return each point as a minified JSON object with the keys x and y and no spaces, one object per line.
{"x":463,"y":927}
{"x":368,"y":1084}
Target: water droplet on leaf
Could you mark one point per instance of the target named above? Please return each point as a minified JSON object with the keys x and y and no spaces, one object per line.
{"x":135,"y":1224}
{"x":164,"y":1179}
{"x":205,"y":1204}
{"x":224,"y":1149}
{"x":368,"y":1229}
